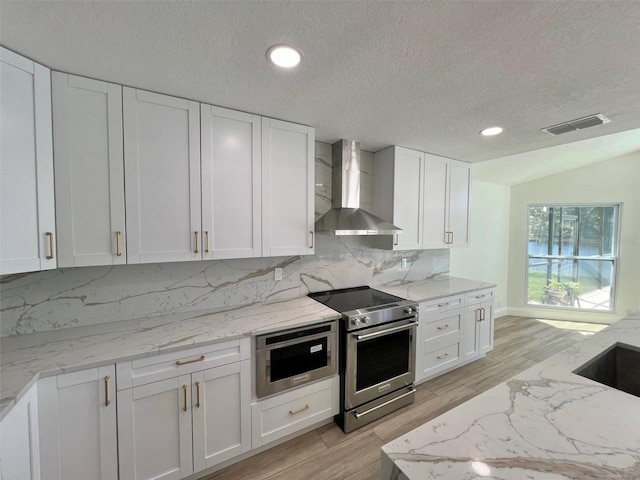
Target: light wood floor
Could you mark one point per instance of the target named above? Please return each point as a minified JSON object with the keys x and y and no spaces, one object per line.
{"x":328,"y":453}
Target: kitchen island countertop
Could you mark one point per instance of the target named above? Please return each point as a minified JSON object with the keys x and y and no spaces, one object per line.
{"x":544,"y":423}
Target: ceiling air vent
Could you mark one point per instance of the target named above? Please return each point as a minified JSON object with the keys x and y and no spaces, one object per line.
{"x":577,"y":124}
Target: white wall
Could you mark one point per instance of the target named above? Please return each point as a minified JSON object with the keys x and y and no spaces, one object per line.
{"x":486,"y":257}
{"x":614,"y":181}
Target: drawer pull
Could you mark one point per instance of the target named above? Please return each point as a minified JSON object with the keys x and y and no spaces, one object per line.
{"x":444,"y":355}
{"x":440,"y":305}
{"x":480,"y":296}
{"x":303,"y":409}
{"x":180,"y":362}
{"x":443,"y":327}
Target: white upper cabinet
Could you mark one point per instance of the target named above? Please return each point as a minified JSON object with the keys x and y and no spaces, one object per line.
{"x":89,"y":171}
{"x":399,"y":196}
{"x":162,"y":172}
{"x":231,"y":183}
{"x":287,"y":189}
{"x":447,"y":186}
{"x":27,"y":215}
{"x":459,"y":204}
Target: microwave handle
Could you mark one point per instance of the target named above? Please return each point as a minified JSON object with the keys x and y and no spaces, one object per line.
{"x":385,"y":332}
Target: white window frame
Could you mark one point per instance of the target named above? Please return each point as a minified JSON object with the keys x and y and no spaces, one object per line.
{"x":614,"y":258}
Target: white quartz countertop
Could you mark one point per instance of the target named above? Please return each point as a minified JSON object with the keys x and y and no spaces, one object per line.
{"x":23,"y":358}
{"x":432,"y":288}
{"x":544,"y":423}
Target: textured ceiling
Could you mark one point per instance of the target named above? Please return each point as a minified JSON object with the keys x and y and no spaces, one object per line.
{"x":425,"y":75}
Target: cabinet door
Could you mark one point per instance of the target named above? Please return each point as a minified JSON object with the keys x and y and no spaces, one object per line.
{"x":436,"y":193}
{"x":459,"y":198}
{"x":221,"y":413}
{"x":162,"y":172}
{"x":27,"y":214}
{"x":78,"y":425}
{"x":19,"y":443}
{"x":89,"y":171}
{"x":469,"y":332}
{"x":408,"y":198}
{"x":154,"y":430}
{"x":485,"y":328}
{"x":287,"y":189}
{"x":231,"y":178}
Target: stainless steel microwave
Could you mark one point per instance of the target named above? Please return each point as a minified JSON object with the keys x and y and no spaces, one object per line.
{"x":294,"y":357}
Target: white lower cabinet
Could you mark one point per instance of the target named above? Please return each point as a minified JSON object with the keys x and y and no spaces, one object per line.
{"x":155,"y":430}
{"x":477,"y":337}
{"x":286,"y":413}
{"x":453,"y":331}
{"x":77,"y":413}
{"x":19,"y":440}
{"x":222,"y":416}
{"x":438,"y":346}
{"x":171,"y":428}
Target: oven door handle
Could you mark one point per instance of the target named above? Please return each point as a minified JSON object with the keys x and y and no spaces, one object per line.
{"x":385,"y":332}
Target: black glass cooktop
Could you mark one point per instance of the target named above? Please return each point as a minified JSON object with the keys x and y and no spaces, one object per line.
{"x":347,"y":299}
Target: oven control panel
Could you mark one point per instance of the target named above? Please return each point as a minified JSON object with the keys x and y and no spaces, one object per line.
{"x":377,"y":316}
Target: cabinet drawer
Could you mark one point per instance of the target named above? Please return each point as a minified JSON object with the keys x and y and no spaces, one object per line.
{"x":291,"y":411}
{"x":442,"y":324}
{"x":160,"y":367}
{"x":479,"y":296}
{"x":444,"y":304}
{"x":441,"y":359}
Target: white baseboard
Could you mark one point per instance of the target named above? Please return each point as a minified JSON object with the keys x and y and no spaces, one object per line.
{"x":501,"y":312}
{"x":556,"y":314}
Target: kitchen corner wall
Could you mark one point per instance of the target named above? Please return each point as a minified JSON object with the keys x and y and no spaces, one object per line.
{"x":70,"y":297}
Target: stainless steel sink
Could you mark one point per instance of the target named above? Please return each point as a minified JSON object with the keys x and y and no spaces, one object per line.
{"x":617,"y":367}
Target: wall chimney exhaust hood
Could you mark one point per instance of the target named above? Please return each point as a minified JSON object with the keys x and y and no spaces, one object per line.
{"x":346,"y":217}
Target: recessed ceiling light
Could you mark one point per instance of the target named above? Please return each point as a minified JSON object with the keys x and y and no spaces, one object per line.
{"x":284,"y":56}
{"x":488,"y":132}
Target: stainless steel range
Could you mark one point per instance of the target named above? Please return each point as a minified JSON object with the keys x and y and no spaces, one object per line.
{"x":377,"y":353}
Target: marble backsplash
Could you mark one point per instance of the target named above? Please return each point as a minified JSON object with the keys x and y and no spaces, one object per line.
{"x":70,"y":297}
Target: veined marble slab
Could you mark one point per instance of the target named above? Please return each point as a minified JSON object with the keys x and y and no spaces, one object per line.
{"x":23,"y":358}
{"x":432,"y":288}
{"x":545,"y":423}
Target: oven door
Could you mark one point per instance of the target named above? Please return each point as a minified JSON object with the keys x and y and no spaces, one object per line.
{"x":379,"y":360}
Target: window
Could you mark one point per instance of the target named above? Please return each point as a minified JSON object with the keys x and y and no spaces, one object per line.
{"x":572,"y":255}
